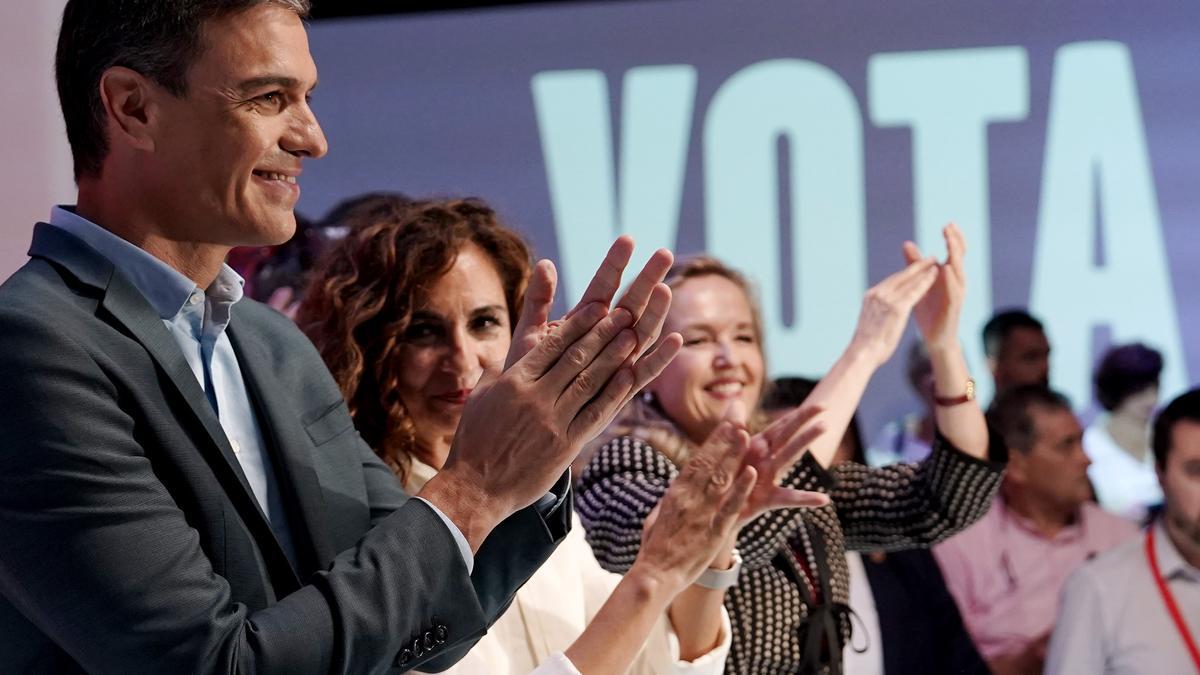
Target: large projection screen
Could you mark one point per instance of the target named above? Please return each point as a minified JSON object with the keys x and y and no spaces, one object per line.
{"x":804,"y":142}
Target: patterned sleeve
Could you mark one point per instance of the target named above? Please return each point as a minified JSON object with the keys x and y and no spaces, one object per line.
{"x":622,"y":483}
{"x":916,"y":505}
{"x":627,"y":477}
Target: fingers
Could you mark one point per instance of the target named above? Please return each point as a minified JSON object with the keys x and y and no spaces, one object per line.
{"x":783,"y":498}
{"x":595,"y":416}
{"x":652,"y":315}
{"x":652,"y":274}
{"x":735,"y":500}
{"x":539,"y":297}
{"x":911,"y":283}
{"x":607,"y":280}
{"x":956,"y":247}
{"x":591,"y":379}
{"x":550,"y":349}
{"x":910,"y":274}
{"x":723,"y":451}
{"x":911,"y":253}
{"x":785,"y":427}
{"x":651,"y":365}
{"x":737,"y":413}
{"x":791,"y":449}
{"x":580,"y":354}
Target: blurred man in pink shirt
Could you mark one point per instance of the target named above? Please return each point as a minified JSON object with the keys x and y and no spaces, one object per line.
{"x":1007,"y":570}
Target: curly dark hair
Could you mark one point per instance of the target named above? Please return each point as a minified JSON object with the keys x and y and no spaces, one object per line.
{"x":361,"y":297}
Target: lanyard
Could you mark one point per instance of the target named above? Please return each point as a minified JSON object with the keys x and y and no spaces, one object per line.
{"x":1169,"y":600}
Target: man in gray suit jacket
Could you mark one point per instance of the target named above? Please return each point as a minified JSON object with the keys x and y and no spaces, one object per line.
{"x":181,"y":485}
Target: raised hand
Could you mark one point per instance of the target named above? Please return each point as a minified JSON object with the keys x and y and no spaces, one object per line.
{"x":693,"y":524}
{"x":772,"y":453}
{"x":887,"y":306}
{"x":562,"y":385}
{"x":937,"y":313}
{"x":700,"y":510}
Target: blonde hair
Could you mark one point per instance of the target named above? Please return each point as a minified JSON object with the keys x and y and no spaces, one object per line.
{"x":643,"y":417}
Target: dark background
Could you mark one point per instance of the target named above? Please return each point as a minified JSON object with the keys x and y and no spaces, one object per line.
{"x":335,"y":9}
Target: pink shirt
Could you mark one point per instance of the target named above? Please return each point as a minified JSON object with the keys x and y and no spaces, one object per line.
{"x":1007,"y":577}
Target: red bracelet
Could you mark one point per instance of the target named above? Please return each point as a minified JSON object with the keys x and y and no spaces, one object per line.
{"x":948,"y":401}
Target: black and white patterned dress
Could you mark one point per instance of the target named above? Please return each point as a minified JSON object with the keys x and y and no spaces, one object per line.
{"x":789,"y":608}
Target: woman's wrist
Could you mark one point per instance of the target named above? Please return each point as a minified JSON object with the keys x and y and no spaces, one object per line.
{"x":866,"y":352}
{"x":653,"y":585}
{"x":724,"y":558}
{"x":944,"y":349}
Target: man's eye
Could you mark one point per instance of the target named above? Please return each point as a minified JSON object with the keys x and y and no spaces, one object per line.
{"x":271,"y":99}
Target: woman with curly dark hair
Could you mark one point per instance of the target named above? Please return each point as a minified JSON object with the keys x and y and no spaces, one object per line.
{"x":409,"y":310}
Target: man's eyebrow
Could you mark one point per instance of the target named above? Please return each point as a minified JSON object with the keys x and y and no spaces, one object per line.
{"x":255,"y":83}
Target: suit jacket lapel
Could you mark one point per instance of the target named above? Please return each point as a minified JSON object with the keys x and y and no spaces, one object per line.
{"x":280,"y":421}
{"x":130,"y":309}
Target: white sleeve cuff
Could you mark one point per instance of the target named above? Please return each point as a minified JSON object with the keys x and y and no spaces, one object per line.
{"x":712,"y":663}
{"x":557,"y":664}
{"x":463,"y":547}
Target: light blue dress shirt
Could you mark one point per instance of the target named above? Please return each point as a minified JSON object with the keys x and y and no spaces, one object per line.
{"x":196,"y":319}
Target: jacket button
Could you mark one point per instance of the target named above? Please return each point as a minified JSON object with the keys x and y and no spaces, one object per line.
{"x":428,"y":642}
{"x":440,"y":634}
{"x":417,"y":648}
{"x":406,"y":655}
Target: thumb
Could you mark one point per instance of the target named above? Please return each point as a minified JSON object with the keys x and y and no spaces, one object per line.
{"x":490,"y":374}
{"x":737,"y":413}
{"x":792,"y":498}
{"x":539,"y":297}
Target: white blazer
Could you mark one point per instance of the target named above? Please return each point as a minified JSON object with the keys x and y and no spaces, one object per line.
{"x":552,"y":609}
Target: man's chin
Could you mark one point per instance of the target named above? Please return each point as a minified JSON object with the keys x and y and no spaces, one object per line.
{"x":270,"y":231}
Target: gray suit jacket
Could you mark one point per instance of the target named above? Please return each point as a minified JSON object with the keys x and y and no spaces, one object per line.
{"x":130,"y":540}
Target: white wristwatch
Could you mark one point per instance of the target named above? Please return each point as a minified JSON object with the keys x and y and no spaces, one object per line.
{"x":719,"y":580}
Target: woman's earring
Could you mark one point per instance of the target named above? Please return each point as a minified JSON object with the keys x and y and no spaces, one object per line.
{"x":647,"y":396}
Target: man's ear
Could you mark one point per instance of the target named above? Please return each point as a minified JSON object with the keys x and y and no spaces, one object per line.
{"x":1017,"y":469}
{"x":130,"y":108}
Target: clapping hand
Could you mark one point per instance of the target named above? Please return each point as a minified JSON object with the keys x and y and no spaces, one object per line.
{"x":938,"y":311}
{"x":772,"y":453}
{"x":887,"y":306}
{"x":561,"y":385}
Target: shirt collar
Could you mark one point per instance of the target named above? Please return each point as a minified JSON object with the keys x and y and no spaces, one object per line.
{"x":1071,"y":532}
{"x":1170,"y":563}
{"x":166,"y":288}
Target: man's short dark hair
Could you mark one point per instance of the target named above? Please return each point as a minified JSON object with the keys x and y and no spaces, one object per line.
{"x":1124,"y":371}
{"x":1002,"y":324}
{"x":160,"y":39}
{"x":1009,"y":413}
{"x":1185,"y":407}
